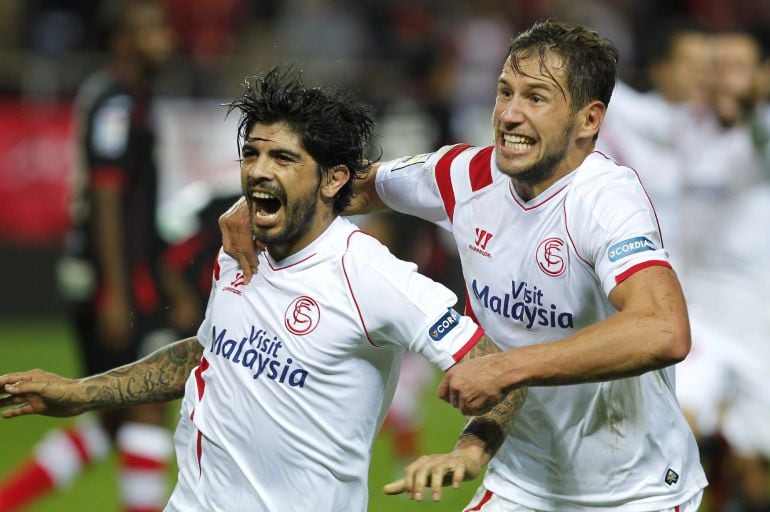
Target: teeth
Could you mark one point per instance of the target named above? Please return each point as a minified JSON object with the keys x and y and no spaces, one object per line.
{"x":262,"y":195}
{"x":517,"y":142}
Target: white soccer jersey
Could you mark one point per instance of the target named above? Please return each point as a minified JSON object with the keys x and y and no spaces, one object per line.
{"x":298,"y":369}
{"x":538,"y":271}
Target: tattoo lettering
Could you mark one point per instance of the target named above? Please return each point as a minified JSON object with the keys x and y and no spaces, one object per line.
{"x":159,"y":377}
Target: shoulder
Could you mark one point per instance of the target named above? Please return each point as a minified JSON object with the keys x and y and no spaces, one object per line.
{"x":600,"y":179}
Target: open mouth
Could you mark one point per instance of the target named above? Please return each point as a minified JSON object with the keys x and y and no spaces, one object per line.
{"x":265,"y":204}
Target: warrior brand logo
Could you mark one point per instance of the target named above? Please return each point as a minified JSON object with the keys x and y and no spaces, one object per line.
{"x":480,"y":244}
{"x":235,"y":283}
{"x":671,"y":477}
{"x":549,"y":257}
{"x":525,"y":304}
{"x":629,"y":247}
{"x":259,"y":351}
{"x":238,"y":281}
{"x":445,"y":324}
{"x":302,"y":316}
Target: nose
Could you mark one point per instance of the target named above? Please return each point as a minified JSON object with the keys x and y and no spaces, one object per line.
{"x":258,"y":169}
{"x":511,"y":112}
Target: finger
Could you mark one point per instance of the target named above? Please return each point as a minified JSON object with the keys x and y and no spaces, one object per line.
{"x":246,"y":266}
{"x":20,"y":410}
{"x":418,"y":485}
{"x":11,"y":378}
{"x":458,"y":475}
{"x":395,"y":487}
{"x":437,"y":482}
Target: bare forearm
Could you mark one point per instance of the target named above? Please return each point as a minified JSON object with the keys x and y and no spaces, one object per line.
{"x":488,"y":431}
{"x":624,"y":345}
{"x":159,"y":377}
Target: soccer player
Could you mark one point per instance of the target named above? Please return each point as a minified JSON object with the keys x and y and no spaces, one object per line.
{"x":111,"y":274}
{"x":290,"y":375}
{"x":565,"y":268}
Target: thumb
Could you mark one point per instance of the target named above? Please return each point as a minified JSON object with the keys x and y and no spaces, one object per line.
{"x":396,"y":487}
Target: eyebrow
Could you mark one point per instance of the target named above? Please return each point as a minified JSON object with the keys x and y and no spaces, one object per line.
{"x":273,"y":152}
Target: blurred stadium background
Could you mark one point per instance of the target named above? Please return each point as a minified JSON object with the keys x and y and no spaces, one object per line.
{"x":427,"y":66}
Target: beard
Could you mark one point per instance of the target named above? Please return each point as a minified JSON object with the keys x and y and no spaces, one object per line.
{"x":545,"y":166}
{"x":297,"y":223}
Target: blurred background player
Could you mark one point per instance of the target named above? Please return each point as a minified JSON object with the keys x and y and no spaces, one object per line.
{"x":723,"y":386}
{"x":698,"y":141}
{"x":111,"y":273}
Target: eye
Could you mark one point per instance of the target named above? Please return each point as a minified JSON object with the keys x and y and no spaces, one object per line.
{"x":536,"y":99}
{"x":504,"y":92}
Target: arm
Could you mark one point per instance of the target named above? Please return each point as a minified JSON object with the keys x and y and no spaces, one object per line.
{"x":650,"y":331}
{"x":159,"y":377}
{"x":114,"y":316}
{"x":236,"y":227}
{"x":478,"y":443}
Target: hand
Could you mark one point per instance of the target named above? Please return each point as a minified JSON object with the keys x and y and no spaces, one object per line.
{"x":39,"y":392}
{"x":471,"y":386}
{"x":237,"y":239}
{"x":438,"y":471}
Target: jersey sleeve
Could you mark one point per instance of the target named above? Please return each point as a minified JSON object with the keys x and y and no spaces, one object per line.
{"x":408,"y":185}
{"x":613,"y":226}
{"x":399,"y":306}
{"x":107,"y":141}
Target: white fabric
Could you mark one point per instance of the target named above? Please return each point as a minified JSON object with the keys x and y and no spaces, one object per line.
{"x":537,"y":271}
{"x":296,"y":390}
{"x":497,"y":503}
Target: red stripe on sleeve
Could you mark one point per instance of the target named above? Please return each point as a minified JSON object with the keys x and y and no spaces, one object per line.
{"x":469,"y":345}
{"x":641,"y":266}
{"x":444,"y":178}
{"x":108,"y":177}
{"x":481,"y":169}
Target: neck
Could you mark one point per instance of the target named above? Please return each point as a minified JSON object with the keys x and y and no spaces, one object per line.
{"x":283,"y":249}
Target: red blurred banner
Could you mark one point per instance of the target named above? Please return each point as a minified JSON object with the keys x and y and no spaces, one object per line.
{"x":35,"y":167}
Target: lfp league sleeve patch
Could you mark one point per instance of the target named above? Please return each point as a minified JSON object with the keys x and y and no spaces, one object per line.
{"x":631,"y":246}
{"x":446,"y":323}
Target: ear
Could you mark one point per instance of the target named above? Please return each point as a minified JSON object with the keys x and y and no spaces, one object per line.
{"x":333,"y":180}
{"x":590,"y":118}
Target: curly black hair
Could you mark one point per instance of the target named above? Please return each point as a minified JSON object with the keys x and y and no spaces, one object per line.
{"x":334,"y":128}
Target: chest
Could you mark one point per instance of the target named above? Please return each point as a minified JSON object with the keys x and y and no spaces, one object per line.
{"x":521,"y":270}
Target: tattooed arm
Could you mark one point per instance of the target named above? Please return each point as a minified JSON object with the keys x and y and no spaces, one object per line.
{"x":479,"y":441}
{"x":159,"y":377}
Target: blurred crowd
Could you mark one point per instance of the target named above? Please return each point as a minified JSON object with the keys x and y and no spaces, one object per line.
{"x":690,"y":114}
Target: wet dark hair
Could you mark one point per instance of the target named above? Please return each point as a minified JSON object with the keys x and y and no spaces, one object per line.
{"x":334,"y":128}
{"x":590,"y":59}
